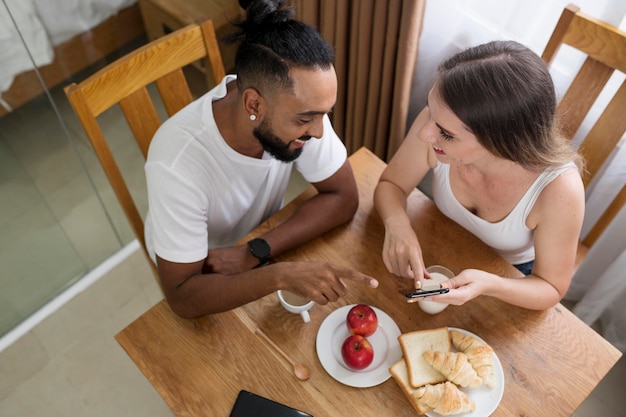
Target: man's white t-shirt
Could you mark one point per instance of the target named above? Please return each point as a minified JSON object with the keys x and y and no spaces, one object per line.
{"x":202,"y":194}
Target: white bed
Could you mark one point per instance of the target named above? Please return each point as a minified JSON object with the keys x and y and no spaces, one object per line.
{"x":63,"y":37}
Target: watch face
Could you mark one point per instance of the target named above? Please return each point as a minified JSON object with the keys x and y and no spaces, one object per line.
{"x":260,"y":249}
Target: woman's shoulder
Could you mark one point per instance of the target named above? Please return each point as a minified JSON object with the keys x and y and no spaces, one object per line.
{"x":566,"y":181}
{"x":565,"y":194}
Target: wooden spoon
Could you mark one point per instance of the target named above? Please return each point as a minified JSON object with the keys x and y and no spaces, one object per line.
{"x":301,"y":372}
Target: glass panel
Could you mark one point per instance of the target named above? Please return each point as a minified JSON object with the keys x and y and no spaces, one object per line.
{"x":58,"y":215}
{"x":37,"y":170}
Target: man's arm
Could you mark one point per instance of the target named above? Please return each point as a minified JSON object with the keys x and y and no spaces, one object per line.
{"x":200,"y":294}
{"x":229,"y":281}
{"x":335,"y":204}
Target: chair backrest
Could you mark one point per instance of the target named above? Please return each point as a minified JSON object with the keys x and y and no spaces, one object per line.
{"x":605,"y":48}
{"x":125,"y":82}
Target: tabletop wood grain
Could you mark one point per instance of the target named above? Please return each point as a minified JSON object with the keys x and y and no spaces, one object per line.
{"x":551,"y":359}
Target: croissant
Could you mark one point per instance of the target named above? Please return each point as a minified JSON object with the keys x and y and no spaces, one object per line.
{"x":455,"y":367}
{"x":479,"y":355}
{"x":444,"y":398}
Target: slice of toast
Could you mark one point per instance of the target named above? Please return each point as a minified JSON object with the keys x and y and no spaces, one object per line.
{"x":414,"y":344}
{"x":399,"y":372}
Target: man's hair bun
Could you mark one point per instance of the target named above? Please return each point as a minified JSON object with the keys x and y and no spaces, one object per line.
{"x":271,"y":42}
{"x":265,"y":12}
{"x":245,"y":3}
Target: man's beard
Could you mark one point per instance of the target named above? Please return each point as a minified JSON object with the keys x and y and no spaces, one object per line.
{"x":274,"y":146}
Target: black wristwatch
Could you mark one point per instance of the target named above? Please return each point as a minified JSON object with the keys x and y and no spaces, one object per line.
{"x":260,"y":249}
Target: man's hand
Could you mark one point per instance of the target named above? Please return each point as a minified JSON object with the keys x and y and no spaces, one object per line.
{"x":321,"y":282}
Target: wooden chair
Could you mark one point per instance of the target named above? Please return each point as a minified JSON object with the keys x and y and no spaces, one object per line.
{"x":125,"y":82}
{"x":605,"y":47}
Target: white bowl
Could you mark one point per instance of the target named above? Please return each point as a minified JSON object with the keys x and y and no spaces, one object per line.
{"x":438,"y":275}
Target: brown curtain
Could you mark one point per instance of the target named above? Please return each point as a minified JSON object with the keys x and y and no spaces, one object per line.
{"x":376,"y":44}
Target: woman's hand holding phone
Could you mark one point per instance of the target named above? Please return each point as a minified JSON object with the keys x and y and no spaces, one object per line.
{"x":419,"y":293}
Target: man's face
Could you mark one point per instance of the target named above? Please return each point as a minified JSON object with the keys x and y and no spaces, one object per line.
{"x":297,"y":116}
{"x":274,"y":145}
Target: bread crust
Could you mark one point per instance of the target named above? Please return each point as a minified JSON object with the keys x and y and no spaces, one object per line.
{"x":399,"y":372}
{"x":414,"y":344}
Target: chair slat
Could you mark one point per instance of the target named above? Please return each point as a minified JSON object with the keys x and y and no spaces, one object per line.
{"x":582,"y":93}
{"x":605,"y":134}
{"x":142,"y":117}
{"x":110,"y":167}
{"x":598,"y":39}
{"x":142,"y":67}
{"x":607,"y":217}
{"x":174,"y":91}
{"x":562,"y":26}
{"x":215,"y":67}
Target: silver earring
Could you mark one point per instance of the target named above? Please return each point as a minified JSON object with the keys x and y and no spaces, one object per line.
{"x":253,"y":117}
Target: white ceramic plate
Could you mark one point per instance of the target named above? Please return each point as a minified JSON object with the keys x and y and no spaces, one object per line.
{"x":331,"y":335}
{"x":487,"y":400}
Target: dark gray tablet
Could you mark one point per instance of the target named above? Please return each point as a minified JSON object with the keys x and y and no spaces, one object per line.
{"x":252,"y":405}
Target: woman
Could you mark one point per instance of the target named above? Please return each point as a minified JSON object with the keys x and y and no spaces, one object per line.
{"x":500,"y":169}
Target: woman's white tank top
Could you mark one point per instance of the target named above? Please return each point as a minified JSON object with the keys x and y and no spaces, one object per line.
{"x":509,"y":237}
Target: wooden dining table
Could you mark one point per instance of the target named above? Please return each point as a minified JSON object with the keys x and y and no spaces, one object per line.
{"x":551,"y":360}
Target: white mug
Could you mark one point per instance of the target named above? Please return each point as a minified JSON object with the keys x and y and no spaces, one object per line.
{"x":438,"y":275}
{"x":295,"y":304}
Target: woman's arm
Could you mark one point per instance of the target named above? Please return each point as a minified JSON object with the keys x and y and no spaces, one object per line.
{"x":558,"y":216}
{"x":402,"y":254}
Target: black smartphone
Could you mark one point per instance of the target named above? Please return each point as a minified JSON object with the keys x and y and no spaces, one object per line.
{"x":249,"y":404}
{"x":413,"y":293}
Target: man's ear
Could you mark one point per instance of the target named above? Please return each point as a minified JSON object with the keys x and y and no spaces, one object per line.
{"x":253,"y":102}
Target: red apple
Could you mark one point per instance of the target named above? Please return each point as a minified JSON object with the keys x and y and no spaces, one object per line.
{"x":362,"y":320}
{"x":357,"y":352}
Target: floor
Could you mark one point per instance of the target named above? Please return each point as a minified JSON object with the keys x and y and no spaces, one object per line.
{"x":70,"y":365}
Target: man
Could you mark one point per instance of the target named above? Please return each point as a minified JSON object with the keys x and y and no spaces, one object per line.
{"x":221,"y":166}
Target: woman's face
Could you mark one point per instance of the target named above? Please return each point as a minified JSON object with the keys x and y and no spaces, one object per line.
{"x":451,"y":140}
